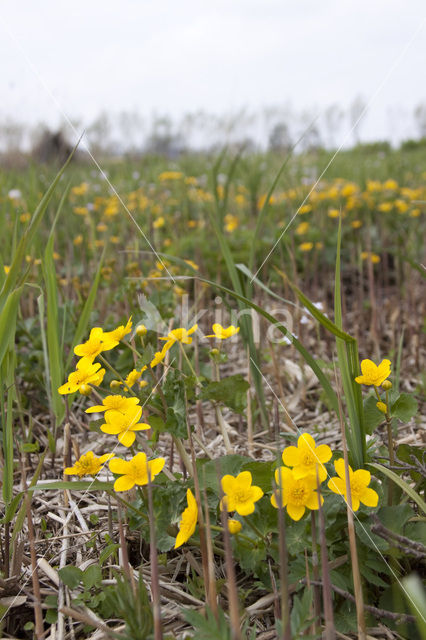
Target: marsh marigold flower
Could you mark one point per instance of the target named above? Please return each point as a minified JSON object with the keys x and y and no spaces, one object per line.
{"x":124,"y":425}
{"x":135,"y":471}
{"x":121,"y":331}
{"x":359,"y":481}
{"x":240,"y":494}
{"x":220,"y":333}
{"x":88,"y":465}
{"x":373,"y":374}
{"x":98,"y":341}
{"x":306,"y":457}
{"x":188,"y":520}
{"x":179,"y":335}
{"x":86,"y":373}
{"x":297,"y":494}
{"x":119,"y":403}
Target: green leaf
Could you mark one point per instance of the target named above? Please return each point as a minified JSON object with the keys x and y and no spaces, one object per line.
{"x":232,"y":391}
{"x":92,"y":576}
{"x":415,"y":594}
{"x":71,"y":576}
{"x":300,"y":617}
{"x":262,"y":473}
{"x":405,"y":407}
{"x":372,"y":416}
{"x":395,"y":517}
{"x":411,"y":493}
{"x":210,"y":472}
{"x":108,"y":552}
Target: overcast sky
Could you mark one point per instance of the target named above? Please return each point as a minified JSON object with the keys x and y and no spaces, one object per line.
{"x":179,"y":56}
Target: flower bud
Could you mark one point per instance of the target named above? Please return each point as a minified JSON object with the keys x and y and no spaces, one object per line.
{"x":85,"y":389}
{"x":234,"y":526}
{"x":381,"y":407}
{"x":141,"y":330}
{"x":142,"y":384}
{"x":387,"y":385}
{"x":115,"y":384}
{"x":214,"y":353}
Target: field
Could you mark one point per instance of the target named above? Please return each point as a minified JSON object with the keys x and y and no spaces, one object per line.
{"x":212,"y":410}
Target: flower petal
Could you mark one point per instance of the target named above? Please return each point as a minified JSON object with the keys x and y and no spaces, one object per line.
{"x":244,"y":508}
{"x":312,"y":501}
{"x":306,"y":441}
{"x":362,"y":476}
{"x":323,"y":453}
{"x":228,"y":483}
{"x":124,"y":483}
{"x":156,"y":466}
{"x":291,"y":456}
{"x":295,"y":511}
{"x":337,"y":485}
{"x":111,"y":429}
{"x":126,"y":438}
{"x":119,"y":466}
{"x":370,"y":498}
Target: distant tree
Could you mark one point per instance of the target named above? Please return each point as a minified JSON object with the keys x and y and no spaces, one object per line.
{"x":279,"y":139}
{"x":420,"y":119}
{"x":52,"y":147}
{"x":99,"y":134}
{"x":163,"y":139}
{"x":357,"y":110}
{"x":333,"y":117}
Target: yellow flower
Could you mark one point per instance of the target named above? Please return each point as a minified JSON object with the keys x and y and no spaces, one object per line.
{"x":356,"y":224}
{"x":179,"y":335}
{"x":141,"y":330}
{"x":81,"y":211}
{"x":373,"y":374}
{"x":135,"y":471}
{"x":306,"y":246}
{"x":188,"y":520}
{"x":221,"y":333}
{"x":240,"y":495}
{"x":306,"y":457}
{"x":86,"y":373}
{"x":133,"y":377}
{"x":231,"y":222}
{"x":234,"y":526}
{"x":124,"y":425}
{"x":192,"y":264}
{"x":120,"y":332}
{"x":88,"y":465}
{"x":296,"y":493}
{"x":160,"y":355}
{"x":97,"y":342}
{"x":6,"y":268}
{"x":302,"y":228}
{"x":359,"y":481}
{"x":305,"y":209}
{"x":78,"y":240}
{"x":160,"y":222}
{"x":333,"y":213}
{"x":170,"y":175}
{"x":119,"y":403}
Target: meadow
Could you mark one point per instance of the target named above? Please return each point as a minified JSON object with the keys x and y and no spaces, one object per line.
{"x":212,"y":407}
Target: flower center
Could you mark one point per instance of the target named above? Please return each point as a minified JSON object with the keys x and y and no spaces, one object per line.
{"x":308,"y":460}
{"x":242,"y":495}
{"x":298,"y":494}
{"x":356,"y":488}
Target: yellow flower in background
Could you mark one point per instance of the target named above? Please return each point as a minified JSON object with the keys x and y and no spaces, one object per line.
{"x":373,"y":374}
{"x":6,"y":268}
{"x":78,"y":240}
{"x":170,"y":175}
{"x":135,"y":471}
{"x":359,"y":481}
{"x":86,"y":373}
{"x":192,"y":264}
{"x":369,"y":255}
{"x":231,"y":222}
{"x":124,"y":425}
{"x":306,"y":457}
{"x":88,"y":465}
{"x":302,"y":228}
{"x":80,"y":190}
{"x":81,"y":211}
{"x":160,"y":222}
{"x":234,"y":526}
{"x":179,"y":335}
{"x":356,"y":224}
{"x":188,"y":520}
{"x":240,"y":494}
{"x":220,"y":333}
{"x":159,"y":355}
{"x":297,"y":494}
{"x":119,"y":403}
{"x":333,"y":213}
{"x":98,"y":341}
{"x":306,"y":208}
{"x":306,"y":246}
{"x":134,"y":376}
{"x":121,"y":331}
